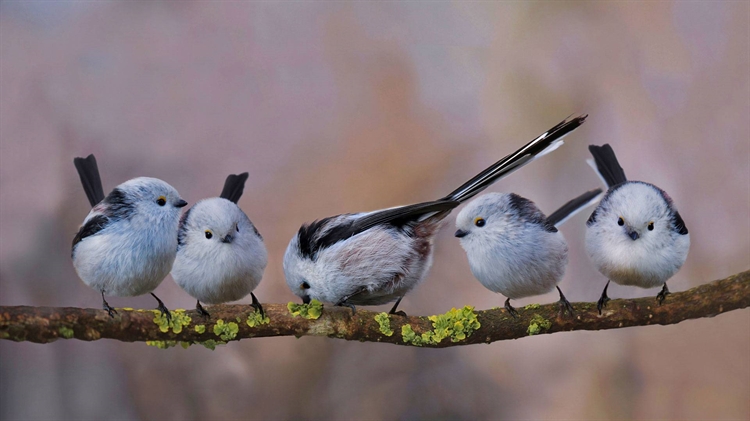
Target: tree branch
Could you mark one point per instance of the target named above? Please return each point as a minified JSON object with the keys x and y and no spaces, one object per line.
{"x":457,"y":327}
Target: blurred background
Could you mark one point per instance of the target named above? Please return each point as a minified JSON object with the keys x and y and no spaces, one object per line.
{"x":336,"y":107}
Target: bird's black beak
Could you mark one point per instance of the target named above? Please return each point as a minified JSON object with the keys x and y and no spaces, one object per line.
{"x":228,"y":239}
{"x":461,"y":233}
{"x":180,"y":204}
{"x":634,"y":235}
{"x":306,"y":299}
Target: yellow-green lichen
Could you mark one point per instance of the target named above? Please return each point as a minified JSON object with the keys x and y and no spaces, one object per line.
{"x":4,"y":335}
{"x":178,"y":321}
{"x":308,"y":311}
{"x":255,"y":319}
{"x":538,"y":325}
{"x":66,"y":332}
{"x":162,"y":344}
{"x":411,"y":337}
{"x":211,"y":344}
{"x":532,"y":307}
{"x":185,"y":345}
{"x":200,"y":329}
{"x":385,"y":324}
{"x":226,"y":331}
{"x":456,"y":324}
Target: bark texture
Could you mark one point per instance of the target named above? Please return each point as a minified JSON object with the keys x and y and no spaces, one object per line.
{"x":457,"y":327}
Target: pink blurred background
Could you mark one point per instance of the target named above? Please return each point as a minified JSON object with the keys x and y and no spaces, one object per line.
{"x":336,"y":107}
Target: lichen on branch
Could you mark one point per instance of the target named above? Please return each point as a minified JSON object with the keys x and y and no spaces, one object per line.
{"x":456,"y":327}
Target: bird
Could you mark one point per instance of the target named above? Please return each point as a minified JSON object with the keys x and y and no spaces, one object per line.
{"x":126,"y":245}
{"x":635,"y":236}
{"x":513,"y":248}
{"x":221,"y":256}
{"x":375,"y":258}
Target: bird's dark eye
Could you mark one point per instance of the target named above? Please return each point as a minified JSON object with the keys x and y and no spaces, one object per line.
{"x":305,"y":285}
{"x":479,"y":222}
{"x":209,"y":234}
{"x":161,"y":201}
{"x":620,"y":221}
{"x":650,"y":226}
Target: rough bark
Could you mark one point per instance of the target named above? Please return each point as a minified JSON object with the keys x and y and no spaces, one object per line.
{"x":230,"y":322}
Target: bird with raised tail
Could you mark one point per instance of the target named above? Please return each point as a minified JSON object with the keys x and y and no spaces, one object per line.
{"x":221,"y":256}
{"x":127,"y":244}
{"x":635,"y":236}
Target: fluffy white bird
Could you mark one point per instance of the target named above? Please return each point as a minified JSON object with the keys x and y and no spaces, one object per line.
{"x":513,"y":248}
{"x":635,"y":236}
{"x":221,"y":256}
{"x":377,"y":257}
{"x":127,"y":243}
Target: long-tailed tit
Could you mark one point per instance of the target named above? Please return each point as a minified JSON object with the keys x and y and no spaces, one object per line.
{"x":127,"y":243}
{"x":513,"y":248}
{"x":220,"y":254}
{"x":377,"y":257}
{"x":635,"y":236}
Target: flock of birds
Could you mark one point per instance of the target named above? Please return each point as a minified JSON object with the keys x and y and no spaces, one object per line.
{"x":133,"y":237}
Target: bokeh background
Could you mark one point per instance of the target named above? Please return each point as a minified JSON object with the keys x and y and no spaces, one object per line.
{"x":336,"y":107}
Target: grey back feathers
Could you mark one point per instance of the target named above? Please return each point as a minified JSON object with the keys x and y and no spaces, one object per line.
{"x":607,"y":165}
{"x":116,"y":206}
{"x":234,"y":186}
{"x":328,"y":231}
{"x":537,"y":147}
{"x":527,"y":211}
{"x":88,"y":171}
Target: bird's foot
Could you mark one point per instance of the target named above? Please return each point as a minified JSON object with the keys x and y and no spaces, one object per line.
{"x":565,"y":304}
{"x":164,"y":310}
{"x":662,"y":295}
{"x":393,"y":309}
{"x":105,"y":305}
{"x":202,"y":311}
{"x":603,"y":300}
{"x":346,"y":304}
{"x":256,"y":305}
{"x":512,"y":311}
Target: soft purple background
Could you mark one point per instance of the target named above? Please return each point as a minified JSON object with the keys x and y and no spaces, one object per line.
{"x":336,"y":107}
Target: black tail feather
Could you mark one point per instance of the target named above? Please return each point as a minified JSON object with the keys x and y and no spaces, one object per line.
{"x":88,"y":171}
{"x":514,"y":161}
{"x":572,"y":207}
{"x":234,"y":186}
{"x":607,"y":165}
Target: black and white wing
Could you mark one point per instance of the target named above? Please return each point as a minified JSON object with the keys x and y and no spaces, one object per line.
{"x":543,"y":144}
{"x":325,"y":232}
